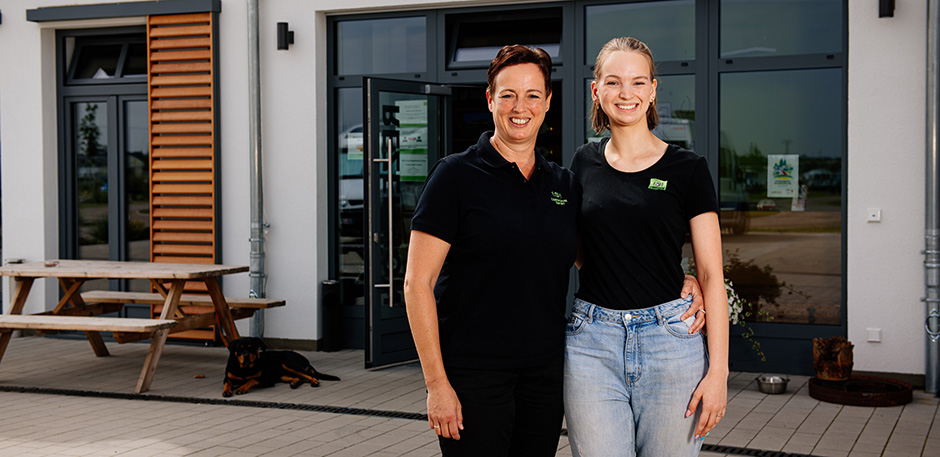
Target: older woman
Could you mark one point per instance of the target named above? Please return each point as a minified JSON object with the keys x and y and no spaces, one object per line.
{"x":492,"y":243}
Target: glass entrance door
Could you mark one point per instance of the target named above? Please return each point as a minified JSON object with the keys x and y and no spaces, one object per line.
{"x":405,"y":135}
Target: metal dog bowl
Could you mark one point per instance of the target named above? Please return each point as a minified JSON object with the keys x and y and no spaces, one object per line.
{"x":772,"y":384}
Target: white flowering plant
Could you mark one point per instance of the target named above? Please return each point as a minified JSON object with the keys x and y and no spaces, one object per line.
{"x":740,"y":311}
{"x":739,"y":314}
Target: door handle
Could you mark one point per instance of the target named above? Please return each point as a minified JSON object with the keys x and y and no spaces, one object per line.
{"x":391,"y":233}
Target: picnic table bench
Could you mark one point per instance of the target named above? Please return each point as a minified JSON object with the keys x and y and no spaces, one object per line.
{"x":81,"y":311}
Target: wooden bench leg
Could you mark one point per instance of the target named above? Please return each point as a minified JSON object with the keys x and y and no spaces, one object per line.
{"x":158,"y":340}
{"x":221,"y":310}
{"x":16,"y":307}
{"x":150,"y":364}
{"x":97,"y":344}
{"x":71,"y":286}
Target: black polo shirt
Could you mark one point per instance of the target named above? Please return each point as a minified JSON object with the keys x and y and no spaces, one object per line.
{"x":502,"y":290}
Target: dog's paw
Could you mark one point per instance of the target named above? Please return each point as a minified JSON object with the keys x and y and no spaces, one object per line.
{"x":315,"y":383}
{"x":226,"y":393}
{"x":296,"y":384}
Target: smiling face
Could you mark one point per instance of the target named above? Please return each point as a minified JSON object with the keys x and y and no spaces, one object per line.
{"x":625,"y":88}
{"x":518,"y":101}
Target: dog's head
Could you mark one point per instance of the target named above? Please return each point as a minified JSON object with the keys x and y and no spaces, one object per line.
{"x":246,"y":350}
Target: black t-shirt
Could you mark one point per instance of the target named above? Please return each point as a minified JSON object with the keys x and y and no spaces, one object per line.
{"x":633,"y":225}
{"x":501,"y":294}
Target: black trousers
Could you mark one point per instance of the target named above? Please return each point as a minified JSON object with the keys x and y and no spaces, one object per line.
{"x":508,"y":413}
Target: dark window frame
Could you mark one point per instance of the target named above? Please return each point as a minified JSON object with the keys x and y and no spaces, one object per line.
{"x":112,"y":93}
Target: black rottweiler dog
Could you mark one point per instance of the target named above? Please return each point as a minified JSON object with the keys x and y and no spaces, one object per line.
{"x":250,"y":365}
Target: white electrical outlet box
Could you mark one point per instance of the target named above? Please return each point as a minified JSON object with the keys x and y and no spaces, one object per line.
{"x":874,"y":215}
{"x":874,"y":335}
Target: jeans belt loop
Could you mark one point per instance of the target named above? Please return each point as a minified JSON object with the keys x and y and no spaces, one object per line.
{"x":590,"y":313}
{"x":659,"y":316}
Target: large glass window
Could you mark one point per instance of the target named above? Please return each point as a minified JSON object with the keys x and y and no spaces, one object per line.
{"x":350,"y":162}
{"x":90,"y":143}
{"x":780,"y":27}
{"x":381,"y":46}
{"x":668,"y":27}
{"x":781,"y":145}
{"x":105,"y":153}
{"x":474,"y":39}
{"x":675,"y":105}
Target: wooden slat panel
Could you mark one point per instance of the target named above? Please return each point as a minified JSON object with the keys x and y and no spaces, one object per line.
{"x":159,"y":153}
{"x":166,"y":92}
{"x":201,"y":127}
{"x":179,"y":18}
{"x":184,"y":225}
{"x":182,"y":189}
{"x":181,"y":43}
{"x":182,"y":103}
{"x":177,"y":236}
{"x":189,"y":140}
{"x":184,"y":212}
{"x":164,"y":176}
{"x":178,"y":259}
{"x":182,"y":249}
{"x":180,"y":55}
{"x":184,"y":30}
{"x":182,"y":165}
{"x":182,"y":200}
{"x":181,"y":116}
{"x":182,"y":137}
{"x":179,"y":80}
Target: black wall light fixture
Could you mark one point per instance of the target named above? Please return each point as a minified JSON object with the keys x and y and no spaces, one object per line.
{"x":285,"y":37}
{"x":885,"y":8}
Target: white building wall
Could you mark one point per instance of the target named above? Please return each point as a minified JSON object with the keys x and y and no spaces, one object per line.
{"x":886,"y":157}
{"x":885,"y":161}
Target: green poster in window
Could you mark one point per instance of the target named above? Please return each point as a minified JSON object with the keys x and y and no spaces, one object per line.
{"x":783,"y":171}
{"x":413,"y":140}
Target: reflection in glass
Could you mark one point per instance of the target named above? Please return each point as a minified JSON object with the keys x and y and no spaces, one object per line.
{"x":780,"y":27}
{"x":137,"y":187}
{"x":349,"y":163}
{"x":780,"y":183}
{"x":90,"y":127}
{"x":477,"y":39}
{"x":667,"y":27}
{"x":675,"y":97}
{"x":135,"y":63}
{"x":381,"y":46}
{"x":97,"y":61}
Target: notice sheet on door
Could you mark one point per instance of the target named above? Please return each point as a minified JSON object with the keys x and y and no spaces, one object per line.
{"x":413,"y":140}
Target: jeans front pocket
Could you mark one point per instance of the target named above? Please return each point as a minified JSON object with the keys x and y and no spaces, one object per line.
{"x":575,"y":324}
{"x":680,"y":328}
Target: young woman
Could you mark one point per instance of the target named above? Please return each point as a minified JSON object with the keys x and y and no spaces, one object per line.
{"x":634,"y":376}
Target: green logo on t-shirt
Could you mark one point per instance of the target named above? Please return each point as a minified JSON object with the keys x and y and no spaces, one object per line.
{"x":556,"y":197}
{"x":657,"y":184}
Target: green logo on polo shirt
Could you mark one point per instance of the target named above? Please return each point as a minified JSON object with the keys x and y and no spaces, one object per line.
{"x":556,"y":197}
{"x":657,"y":184}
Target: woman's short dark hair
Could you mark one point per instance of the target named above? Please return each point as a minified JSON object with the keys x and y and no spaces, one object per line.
{"x":517,"y":54}
{"x":599,"y":119}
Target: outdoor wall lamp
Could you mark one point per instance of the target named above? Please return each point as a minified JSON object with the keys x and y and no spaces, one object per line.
{"x":885,"y":8}
{"x":285,"y":37}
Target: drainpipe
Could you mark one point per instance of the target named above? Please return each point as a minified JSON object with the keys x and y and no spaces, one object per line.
{"x":256,"y":257}
{"x":932,"y":232}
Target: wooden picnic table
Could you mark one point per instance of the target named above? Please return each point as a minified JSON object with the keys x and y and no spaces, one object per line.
{"x":72,"y":312}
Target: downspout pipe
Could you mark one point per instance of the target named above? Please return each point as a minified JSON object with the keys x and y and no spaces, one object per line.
{"x":256,"y":271}
{"x":932,"y":232}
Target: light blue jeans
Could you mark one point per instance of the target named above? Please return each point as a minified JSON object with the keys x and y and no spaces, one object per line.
{"x":629,"y":377}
